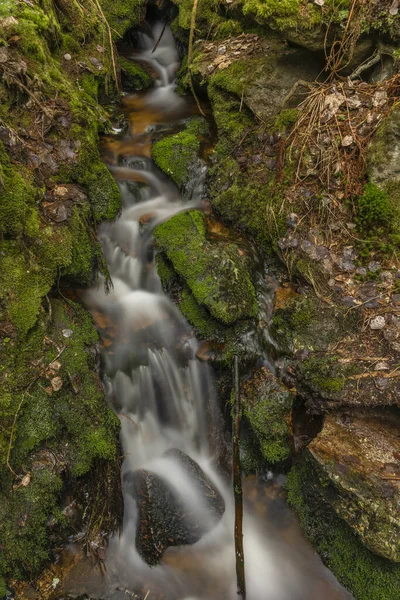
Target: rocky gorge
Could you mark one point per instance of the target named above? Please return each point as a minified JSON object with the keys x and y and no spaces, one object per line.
{"x":290,"y":262}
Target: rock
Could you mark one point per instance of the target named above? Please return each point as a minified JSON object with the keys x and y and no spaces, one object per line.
{"x":164,"y":520}
{"x":96,"y":63}
{"x":267,"y":406}
{"x":292,"y":220}
{"x":377,"y":322}
{"x":354,"y":460}
{"x":217,"y":273}
{"x":384,"y":152}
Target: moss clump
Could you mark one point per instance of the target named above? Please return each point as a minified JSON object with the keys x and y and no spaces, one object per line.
{"x":165,"y":270}
{"x":374,"y":210}
{"x":286,"y":119}
{"x":377,"y":221}
{"x":215,"y":273}
{"x":24,"y":528}
{"x":267,"y":408}
{"x":198,"y":316}
{"x":91,"y":172}
{"x":134,"y":76}
{"x":307,"y":323}
{"x":18,"y":208}
{"x":175,"y":154}
{"x":224,"y":91}
{"x":207,"y":18}
{"x":323,"y":374}
{"x":123,"y":14}
{"x":284,"y":13}
{"x":368,"y":576}
{"x":23,"y":284}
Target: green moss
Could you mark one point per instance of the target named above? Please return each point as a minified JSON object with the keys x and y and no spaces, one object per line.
{"x":134,"y":76}
{"x":72,"y":425}
{"x":323,"y":373}
{"x":123,"y":14}
{"x":207,"y":17}
{"x":90,"y":171}
{"x":377,"y":218}
{"x":198,"y":315}
{"x":174,"y":154}
{"x":267,"y":408}
{"x":231,"y":121}
{"x":165,"y":270}
{"x":285,"y":13}
{"x":18,"y":211}
{"x":216,"y":274}
{"x":368,"y":576}
{"x":23,"y":523}
{"x":286,"y":118}
{"x":373,"y":209}
{"x":306,"y":323}
{"x":23,"y":284}
{"x":90,"y":84}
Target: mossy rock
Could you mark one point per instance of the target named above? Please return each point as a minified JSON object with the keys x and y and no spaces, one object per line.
{"x":267,"y":406}
{"x":216,"y":273}
{"x":134,"y":76}
{"x":123,"y":15}
{"x":178,"y":155}
{"x":350,"y":457}
{"x":366,"y":575}
{"x":307,"y":323}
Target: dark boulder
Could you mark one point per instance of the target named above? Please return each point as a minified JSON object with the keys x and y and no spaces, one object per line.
{"x":164,"y":519}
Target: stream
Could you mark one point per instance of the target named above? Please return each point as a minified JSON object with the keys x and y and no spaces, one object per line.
{"x":165,"y":397}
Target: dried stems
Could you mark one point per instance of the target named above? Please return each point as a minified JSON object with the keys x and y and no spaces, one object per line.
{"x":333,"y":129}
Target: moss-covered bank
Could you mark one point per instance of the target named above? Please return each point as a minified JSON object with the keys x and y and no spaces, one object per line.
{"x":55,"y":63}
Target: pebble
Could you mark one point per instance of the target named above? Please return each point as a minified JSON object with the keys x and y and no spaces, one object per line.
{"x":292,"y":220}
{"x":349,"y":301}
{"x":381,"y":383}
{"x":67,"y":56}
{"x":381,"y":366}
{"x":377,"y":322}
{"x":390,"y":335}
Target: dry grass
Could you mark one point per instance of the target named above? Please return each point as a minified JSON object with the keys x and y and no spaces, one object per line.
{"x":335,"y":125}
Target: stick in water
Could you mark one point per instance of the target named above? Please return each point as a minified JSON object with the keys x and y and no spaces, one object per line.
{"x":237,"y":487}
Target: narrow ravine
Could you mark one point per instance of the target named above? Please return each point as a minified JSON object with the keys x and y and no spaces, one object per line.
{"x":166,"y":400}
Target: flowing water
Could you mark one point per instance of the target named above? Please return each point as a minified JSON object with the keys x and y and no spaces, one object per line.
{"x":165,"y":397}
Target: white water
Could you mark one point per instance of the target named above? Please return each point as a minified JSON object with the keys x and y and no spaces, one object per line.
{"x":165,"y":397}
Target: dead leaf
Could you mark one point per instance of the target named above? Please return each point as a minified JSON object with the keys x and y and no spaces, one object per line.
{"x":56,"y":383}
{"x":25,"y":481}
{"x":347,"y":140}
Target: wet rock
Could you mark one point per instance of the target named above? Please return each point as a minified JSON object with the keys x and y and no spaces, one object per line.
{"x":353,"y":457}
{"x":268,"y":408}
{"x":217,"y":273}
{"x":164,"y":519}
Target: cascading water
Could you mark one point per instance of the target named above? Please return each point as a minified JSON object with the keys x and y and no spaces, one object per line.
{"x":164,"y":396}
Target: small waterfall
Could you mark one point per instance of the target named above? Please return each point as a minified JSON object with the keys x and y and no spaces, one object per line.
{"x":164,"y":396}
